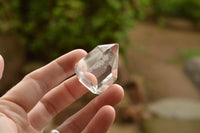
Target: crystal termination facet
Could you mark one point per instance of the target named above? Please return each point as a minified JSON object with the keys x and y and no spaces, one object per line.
{"x":98,"y":69}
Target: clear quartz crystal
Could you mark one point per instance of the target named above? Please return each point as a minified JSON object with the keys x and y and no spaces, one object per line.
{"x":98,"y":69}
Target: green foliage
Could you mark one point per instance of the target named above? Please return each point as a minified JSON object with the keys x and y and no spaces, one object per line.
{"x":191,"y":9}
{"x":177,"y":8}
{"x":140,"y":8}
{"x":187,"y":54}
{"x":8,"y":17}
{"x":50,"y":28}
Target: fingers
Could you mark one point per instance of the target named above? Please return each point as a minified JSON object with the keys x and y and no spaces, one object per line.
{"x":101,"y":122}
{"x":7,"y":125}
{"x":77,"y":122}
{"x":55,"y":101}
{"x":33,"y":87}
{"x":1,"y":66}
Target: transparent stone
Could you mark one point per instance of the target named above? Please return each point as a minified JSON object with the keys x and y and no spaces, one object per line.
{"x":98,"y":69}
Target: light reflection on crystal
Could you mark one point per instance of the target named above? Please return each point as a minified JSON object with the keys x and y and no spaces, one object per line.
{"x":98,"y":70}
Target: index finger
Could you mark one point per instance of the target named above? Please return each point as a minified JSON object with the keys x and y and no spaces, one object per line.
{"x":34,"y":86}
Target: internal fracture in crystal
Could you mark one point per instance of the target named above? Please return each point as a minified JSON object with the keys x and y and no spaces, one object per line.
{"x":98,"y":69}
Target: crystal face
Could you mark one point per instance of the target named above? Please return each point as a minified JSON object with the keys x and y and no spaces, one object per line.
{"x":98,"y":69}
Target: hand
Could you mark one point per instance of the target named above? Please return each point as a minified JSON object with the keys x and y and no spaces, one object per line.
{"x":30,"y":105}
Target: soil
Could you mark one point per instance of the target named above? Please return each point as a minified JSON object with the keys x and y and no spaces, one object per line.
{"x":152,"y":55}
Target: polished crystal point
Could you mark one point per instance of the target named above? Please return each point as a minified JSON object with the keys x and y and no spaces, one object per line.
{"x":98,"y":69}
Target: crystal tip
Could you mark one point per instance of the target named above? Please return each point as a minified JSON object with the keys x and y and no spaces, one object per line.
{"x":115,"y":48}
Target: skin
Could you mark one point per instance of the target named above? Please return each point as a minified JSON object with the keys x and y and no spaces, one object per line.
{"x":30,"y":105}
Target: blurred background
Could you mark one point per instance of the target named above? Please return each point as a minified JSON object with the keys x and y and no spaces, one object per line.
{"x":159,"y":64}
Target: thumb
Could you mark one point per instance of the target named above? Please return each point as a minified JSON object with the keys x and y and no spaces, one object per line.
{"x":1,"y":66}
